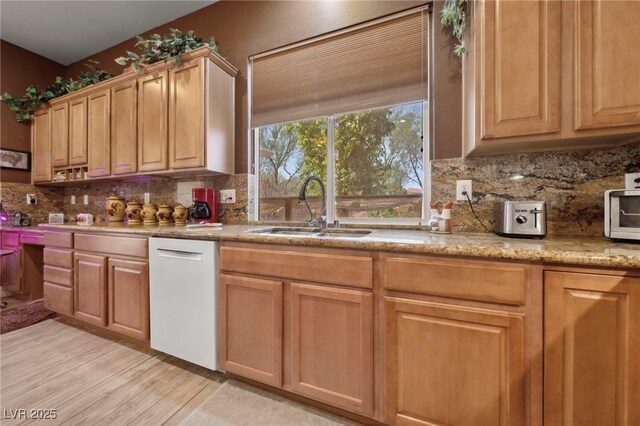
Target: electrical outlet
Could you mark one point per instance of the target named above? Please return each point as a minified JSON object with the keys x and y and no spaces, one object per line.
{"x":461,"y":186}
{"x":632,"y":181}
{"x":86,"y":199}
{"x":146,"y":198}
{"x":32,"y":199}
{"x":73,"y":199}
{"x":227,"y":196}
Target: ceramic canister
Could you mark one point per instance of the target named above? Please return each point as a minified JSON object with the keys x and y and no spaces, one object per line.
{"x":180,"y":214}
{"x":164,"y":214}
{"x":440,"y":221}
{"x":115,"y":208}
{"x":149,"y":211}
{"x":134,"y":213}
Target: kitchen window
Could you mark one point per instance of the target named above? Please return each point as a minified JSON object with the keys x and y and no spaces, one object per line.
{"x":349,"y":107}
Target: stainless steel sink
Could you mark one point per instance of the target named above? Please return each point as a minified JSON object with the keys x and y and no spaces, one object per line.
{"x":314,"y":232}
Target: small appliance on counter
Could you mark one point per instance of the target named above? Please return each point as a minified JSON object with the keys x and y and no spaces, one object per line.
{"x":205,"y":205}
{"x":521,"y":219}
{"x":622,"y":214}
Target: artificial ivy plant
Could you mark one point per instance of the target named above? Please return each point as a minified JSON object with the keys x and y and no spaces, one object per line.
{"x":35,"y":97}
{"x":164,"y":47}
{"x":455,"y":15}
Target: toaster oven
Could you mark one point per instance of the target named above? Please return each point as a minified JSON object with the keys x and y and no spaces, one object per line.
{"x":622,"y":214}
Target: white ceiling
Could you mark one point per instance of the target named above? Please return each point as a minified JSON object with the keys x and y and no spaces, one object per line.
{"x":68,"y":31}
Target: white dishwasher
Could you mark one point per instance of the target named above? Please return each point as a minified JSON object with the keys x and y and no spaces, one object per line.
{"x":183,"y":292}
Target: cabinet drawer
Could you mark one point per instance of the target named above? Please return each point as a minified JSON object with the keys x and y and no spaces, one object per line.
{"x":32,"y":238}
{"x":126,"y":246}
{"x":58,"y":257}
{"x":308,"y":266}
{"x":10,"y":239}
{"x":58,"y":239}
{"x":58,"y":298}
{"x":62,"y":276}
{"x":495,"y":282}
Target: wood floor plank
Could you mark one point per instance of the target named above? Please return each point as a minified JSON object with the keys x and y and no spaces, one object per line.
{"x":169,"y":407}
{"x":181,"y":416}
{"x":33,"y":331}
{"x":118,"y":400}
{"x":148,"y":398}
{"x":29,"y":342}
{"x":42,"y":360}
{"x":19,"y":384}
{"x":52,"y":393}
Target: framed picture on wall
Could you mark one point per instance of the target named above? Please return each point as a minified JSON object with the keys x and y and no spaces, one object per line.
{"x":15,"y":160}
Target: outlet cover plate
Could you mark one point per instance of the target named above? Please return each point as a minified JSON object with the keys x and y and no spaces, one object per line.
{"x":227,"y":196}
{"x":632,"y":181}
{"x":463,"y":185}
{"x":32,"y":199}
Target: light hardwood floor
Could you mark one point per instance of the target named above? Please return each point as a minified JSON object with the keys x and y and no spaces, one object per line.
{"x":89,"y":379}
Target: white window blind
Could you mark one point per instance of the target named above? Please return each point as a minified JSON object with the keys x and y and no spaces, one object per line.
{"x":380,"y":63}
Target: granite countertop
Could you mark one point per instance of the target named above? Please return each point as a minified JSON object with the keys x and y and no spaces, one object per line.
{"x":588,"y":251}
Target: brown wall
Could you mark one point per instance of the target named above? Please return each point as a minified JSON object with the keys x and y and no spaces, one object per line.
{"x":20,"y":68}
{"x":244,"y":28}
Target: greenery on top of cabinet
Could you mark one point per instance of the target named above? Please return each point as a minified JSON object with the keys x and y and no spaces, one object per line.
{"x":35,"y":97}
{"x":164,"y":47}
{"x":454,"y":15}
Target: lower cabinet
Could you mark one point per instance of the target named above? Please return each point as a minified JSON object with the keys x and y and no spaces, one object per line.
{"x":251,"y":320}
{"x":592,"y":349}
{"x":90,"y":288}
{"x":331,"y":345}
{"x":112,"y":292}
{"x":453,"y":365}
{"x":128,"y":298}
{"x":313,"y":339}
{"x":11,"y":279}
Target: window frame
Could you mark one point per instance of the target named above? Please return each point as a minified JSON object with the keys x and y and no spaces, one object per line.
{"x":254,"y":154}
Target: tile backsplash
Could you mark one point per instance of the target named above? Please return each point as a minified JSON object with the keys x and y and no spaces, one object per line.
{"x":14,"y":199}
{"x":161,"y":190}
{"x":571,"y":182}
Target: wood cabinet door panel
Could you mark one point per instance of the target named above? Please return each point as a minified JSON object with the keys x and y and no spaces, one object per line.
{"x":331,"y":348}
{"x":78,"y":131}
{"x":99,"y":134}
{"x":41,"y":146}
{"x":592,"y":347}
{"x":520,"y":67}
{"x":453,"y":365}
{"x":152,"y":122}
{"x":607,"y":62}
{"x":186,"y":115}
{"x":90,"y":288}
{"x":58,"y":298}
{"x":60,"y":135}
{"x":124,"y":123}
{"x":251,"y":328}
{"x":129,"y":298}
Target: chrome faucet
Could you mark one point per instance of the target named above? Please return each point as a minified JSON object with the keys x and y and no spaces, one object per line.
{"x":321,"y":219}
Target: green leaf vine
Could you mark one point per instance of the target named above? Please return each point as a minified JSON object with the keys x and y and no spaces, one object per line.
{"x":455,"y":15}
{"x":165,"y":47}
{"x":35,"y":97}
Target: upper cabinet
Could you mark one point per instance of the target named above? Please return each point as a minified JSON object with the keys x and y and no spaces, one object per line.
{"x":60,"y":135}
{"x":166,"y":120}
{"x":99,"y":133}
{"x":41,"y":146}
{"x":152,"y":122}
{"x":607,"y":64}
{"x":78,"y":131}
{"x":545,"y":75}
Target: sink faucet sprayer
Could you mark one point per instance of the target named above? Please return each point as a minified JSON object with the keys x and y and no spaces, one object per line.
{"x":322,"y":217}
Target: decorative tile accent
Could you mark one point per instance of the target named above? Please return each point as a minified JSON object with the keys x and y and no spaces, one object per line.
{"x":571,"y":182}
